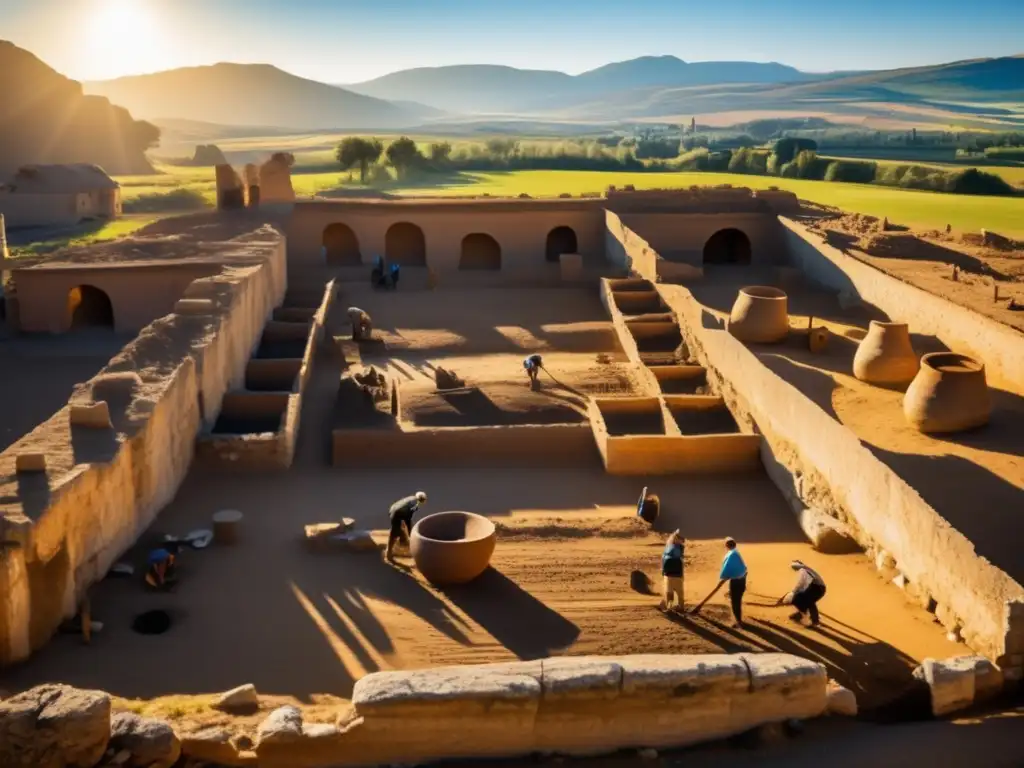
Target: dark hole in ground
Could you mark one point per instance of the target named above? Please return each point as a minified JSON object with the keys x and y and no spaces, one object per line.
{"x":668,"y":341}
{"x":683,"y":386}
{"x":152,"y":623}
{"x":284,"y":348}
{"x":634,"y":423}
{"x":713,"y":421}
{"x":250,"y":424}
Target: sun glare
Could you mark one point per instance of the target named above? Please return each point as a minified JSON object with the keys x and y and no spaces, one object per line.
{"x":122,"y":37}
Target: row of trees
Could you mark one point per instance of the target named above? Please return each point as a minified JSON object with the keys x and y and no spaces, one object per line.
{"x":403,"y":154}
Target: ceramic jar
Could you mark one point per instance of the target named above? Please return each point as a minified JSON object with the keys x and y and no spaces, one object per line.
{"x":949,"y":394}
{"x":452,"y":547}
{"x":885,"y":356}
{"x":760,"y":315}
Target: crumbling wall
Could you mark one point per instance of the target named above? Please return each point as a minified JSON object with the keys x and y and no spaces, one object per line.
{"x":275,"y":179}
{"x":627,"y":250}
{"x":820,"y":465}
{"x":581,"y":706}
{"x":102,"y":487}
{"x":1000,"y":347}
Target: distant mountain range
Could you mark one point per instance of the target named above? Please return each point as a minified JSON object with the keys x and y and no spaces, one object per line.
{"x":977,"y":93}
{"x":475,"y":89}
{"x":257,"y":95}
{"x":45,"y":118}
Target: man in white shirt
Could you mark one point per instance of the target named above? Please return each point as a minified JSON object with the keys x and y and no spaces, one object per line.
{"x":809,"y":589}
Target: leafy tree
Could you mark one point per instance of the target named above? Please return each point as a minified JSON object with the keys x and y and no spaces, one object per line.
{"x":503,"y":148}
{"x":357,"y":151}
{"x":404,"y":155}
{"x":440,"y":152}
{"x":787,"y":149}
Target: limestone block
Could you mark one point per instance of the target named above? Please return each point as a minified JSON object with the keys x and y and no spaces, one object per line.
{"x":282,"y":726}
{"x":827,"y":534}
{"x":30,"y":462}
{"x":92,"y":415}
{"x":54,"y":726}
{"x":209,"y":745}
{"x":473,"y":711}
{"x":319,"y":744}
{"x":571,"y":266}
{"x":152,"y":743}
{"x":781,"y":687}
{"x":952,"y":683}
{"x":276,"y":180}
{"x":194,"y":307}
{"x":240,"y":698}
{"x":676,"y":700}
{"x":841,"y":701}
{"x":579,"y":705}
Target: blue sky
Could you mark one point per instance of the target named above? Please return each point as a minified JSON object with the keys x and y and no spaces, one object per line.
{"x":352,"y":40}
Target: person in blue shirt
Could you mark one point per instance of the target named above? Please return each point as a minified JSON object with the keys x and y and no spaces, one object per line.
{"x":734,"y":570}
{"x":394,"y":271}
{"x":161,"y":566}
{"x":672,"y":572}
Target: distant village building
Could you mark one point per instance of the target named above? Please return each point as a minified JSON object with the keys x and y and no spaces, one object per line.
{"x":54,"y":195}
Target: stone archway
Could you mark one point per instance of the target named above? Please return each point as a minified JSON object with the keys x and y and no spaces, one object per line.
{"x":404,"y":244}
{"x":341,"y":246}
{"x":480,"y":251}
{"x":560,"y":240}
{"x":90,"y":307}
{"x":727,"y":246}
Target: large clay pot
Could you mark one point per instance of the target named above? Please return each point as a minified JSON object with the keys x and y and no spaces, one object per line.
{"x":885,"y":356}
{"x":949,"y":394}
{"x":760,"y":315}
{"x":452,"y":547}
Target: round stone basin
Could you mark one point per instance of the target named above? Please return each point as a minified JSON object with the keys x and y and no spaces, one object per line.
{"x":760,"y":315}
{"x":452,"y":547}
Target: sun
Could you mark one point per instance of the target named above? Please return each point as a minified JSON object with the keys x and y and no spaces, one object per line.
{"x":122,"y":37}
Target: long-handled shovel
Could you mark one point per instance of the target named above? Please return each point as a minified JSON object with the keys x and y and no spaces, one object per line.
{"x":700,"y":605}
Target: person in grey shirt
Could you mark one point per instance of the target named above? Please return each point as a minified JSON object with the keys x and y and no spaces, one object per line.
{"x":809,"y":589}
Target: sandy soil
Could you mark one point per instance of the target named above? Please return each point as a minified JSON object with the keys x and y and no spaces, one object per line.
{"x":925,"y":258}
{"x":952,"y":474}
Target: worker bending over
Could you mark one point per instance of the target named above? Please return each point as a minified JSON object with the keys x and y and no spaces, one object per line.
{"x":161,"y":566}
{"x":809,"y":589}
{"x":533,"y":364}
{"x":362,"y":326}
{"x":401,"y":513}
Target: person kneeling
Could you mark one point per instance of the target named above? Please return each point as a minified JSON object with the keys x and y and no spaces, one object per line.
{"x":161,"y":571}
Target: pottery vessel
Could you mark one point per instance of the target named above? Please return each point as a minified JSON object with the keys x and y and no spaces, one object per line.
{"x":949,"y":394}
{"x":760,"y":315}
{"x":885,"y":356}
{"x":452,"y":547}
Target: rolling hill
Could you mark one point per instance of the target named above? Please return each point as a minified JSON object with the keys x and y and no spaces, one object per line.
{"x":45,"y":118}
{"x":481,"y":89}
{"x":255,"y":95}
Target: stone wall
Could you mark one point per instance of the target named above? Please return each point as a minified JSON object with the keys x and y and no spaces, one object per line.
{"x":627,"y":250}
{"x":62,"y":530}
{"x":681,"y":237}
{"x":561,"y":445}
{"x":1000,"y":347}
{"x":821,"y":466}
{"x":579,"y":706}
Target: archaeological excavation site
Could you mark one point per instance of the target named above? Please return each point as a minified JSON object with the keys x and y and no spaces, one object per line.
{"x":208,"y":428}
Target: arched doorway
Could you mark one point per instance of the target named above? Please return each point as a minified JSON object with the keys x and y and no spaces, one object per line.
{"x":341,"y":246}
{"x":727,"y":246}
{"x":89,"y":307}
{"x":560,"y":240}
{"x":405,"y":244}
{"x":480,"y":251}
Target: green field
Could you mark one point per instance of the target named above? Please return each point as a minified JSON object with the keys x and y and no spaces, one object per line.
{"x":925,"y":209}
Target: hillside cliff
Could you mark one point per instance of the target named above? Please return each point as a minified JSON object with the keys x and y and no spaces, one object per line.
{"x":45,"y":118}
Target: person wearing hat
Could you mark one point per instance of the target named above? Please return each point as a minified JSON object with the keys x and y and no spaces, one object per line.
{"x":401,"y":513}
{"x":672,"y":571}
{"x":809,"y":589}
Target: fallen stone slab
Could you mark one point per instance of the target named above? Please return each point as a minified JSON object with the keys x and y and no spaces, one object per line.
{"x":209,"y":745}
{"x":840,"y":701}
{"x":242,"y":698}
{"x":282,"y":726}
{"x":152,"y":743}
{"x":827,"y":535}
{"x":959,"y":682}
{"x":54,"y":726}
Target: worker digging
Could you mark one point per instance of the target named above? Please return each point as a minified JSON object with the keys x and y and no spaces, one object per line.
{"x":533,"y":365}
{"x":809,"y":589}
{"x":734,"y":571}
{"x":362,"y":325}
{"x":400,"y":515}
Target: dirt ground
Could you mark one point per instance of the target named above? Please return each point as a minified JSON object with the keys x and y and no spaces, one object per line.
{"x":926,"y":259}
{"x":975,"y":480}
